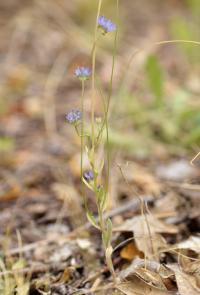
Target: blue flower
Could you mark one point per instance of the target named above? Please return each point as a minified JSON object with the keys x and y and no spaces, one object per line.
{"x":73,"y":116}
{"x":88,"y":175}
{"x":82,"y":73}
{"x":106,"y":25}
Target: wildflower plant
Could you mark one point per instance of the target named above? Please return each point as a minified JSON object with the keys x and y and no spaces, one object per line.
{"x":92,"y":178}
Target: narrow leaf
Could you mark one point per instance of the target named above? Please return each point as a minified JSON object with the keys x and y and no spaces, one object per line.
{"x":92,"y":219}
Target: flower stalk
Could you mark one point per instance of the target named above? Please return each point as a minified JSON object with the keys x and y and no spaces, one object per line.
{"x":91,"y":178}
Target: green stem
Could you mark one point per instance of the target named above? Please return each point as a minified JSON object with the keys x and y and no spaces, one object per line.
{"x":82,"y":139}
{"x":93,"y":81}
{"x":109,"y":258}
{"x":109,"y":98}
{"x":105,"y":121}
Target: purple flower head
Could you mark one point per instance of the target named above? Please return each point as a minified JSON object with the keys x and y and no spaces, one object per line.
{"x":82,"y":73}
{"x":73,"y":116}
{"x":106,"y":25}
{"x":88,"y":175}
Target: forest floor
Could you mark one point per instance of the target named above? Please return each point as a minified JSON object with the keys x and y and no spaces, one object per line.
{"x":47,"y":244}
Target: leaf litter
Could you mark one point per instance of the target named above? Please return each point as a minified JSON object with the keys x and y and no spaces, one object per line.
{"x":156,"y":249}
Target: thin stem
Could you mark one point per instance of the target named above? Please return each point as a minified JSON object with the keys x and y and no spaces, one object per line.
{"x":82,"y":138}
{"x":192,"y":161}
{"x":176,"y":41}
{"x":164,"y":42}
{"x":109,"y":257}
{"x":93,"y":80}
{"x":109,"y":98}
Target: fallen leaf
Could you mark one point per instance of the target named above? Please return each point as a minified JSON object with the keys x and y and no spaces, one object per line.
{"x":150,"y":272}
{"x":138,"y":287}
{"x":9,"y":192}
{"x":193,"y":243}
{"x":140,"y":178}
{"x":169,"y":203}
{"x":190,"y":262}
{"x":65,"y":276}
{"x":146,"y":231}
{"x":138,"y":224}
{"x":186,"y":283}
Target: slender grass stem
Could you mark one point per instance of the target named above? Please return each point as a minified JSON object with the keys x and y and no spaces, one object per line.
{"x":102,"y":222}
{"x":155,"y":44}
{"x":82,"y":140}
{"x":176,"y":41}
{"x":93,"y":81}
{"x":109,"y":98}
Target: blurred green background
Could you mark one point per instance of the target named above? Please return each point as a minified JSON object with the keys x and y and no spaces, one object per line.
{"x":155,"y":104}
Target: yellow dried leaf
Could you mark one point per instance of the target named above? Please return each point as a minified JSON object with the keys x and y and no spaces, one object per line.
{"x":130,"y":251}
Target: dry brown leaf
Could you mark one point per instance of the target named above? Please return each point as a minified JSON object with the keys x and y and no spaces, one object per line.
{"x":8,"y":192}
{"x":168,"y":203}
{"x":189,"y":262}
{"x":193,"y":243}
{"x":146,"y":231}
{"x":65,"y":276}
{"x":150,"y":272}
{"x":186,"y":283}
{"x":145,"y":182}
{"x":138,"y":287}
{"x":138,"y":225}
{"x":190,"y":265}
{"x":189,"y":256}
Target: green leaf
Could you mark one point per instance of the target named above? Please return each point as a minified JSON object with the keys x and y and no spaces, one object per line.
{"x":155,"y":78}
{"x":101,"y":197}
{"x":107,"y":235}
{"x":87,"y":184}
{"x":101,"y":166}
{"x":92,"y":219}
